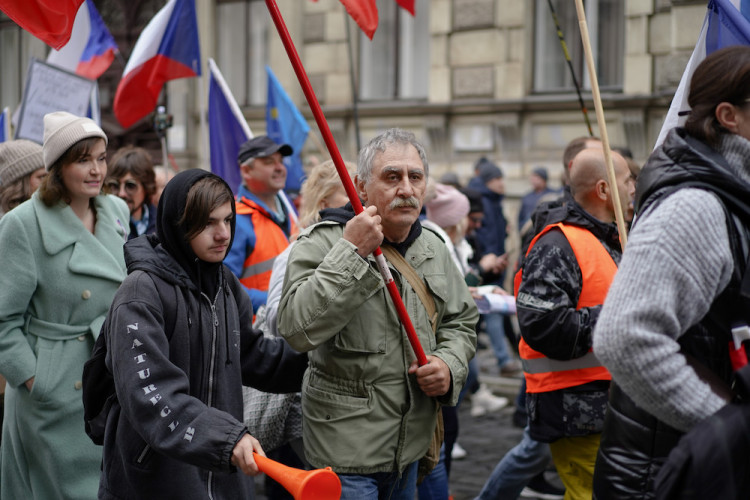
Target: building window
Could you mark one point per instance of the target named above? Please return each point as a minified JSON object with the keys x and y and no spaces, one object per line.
{"x":395,"y":64}
{"x":16,"y":50}
{"x":242,"y":48}
{"x":606,"y":24}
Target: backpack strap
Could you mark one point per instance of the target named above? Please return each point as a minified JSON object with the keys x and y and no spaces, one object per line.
{"x":408,"y":272}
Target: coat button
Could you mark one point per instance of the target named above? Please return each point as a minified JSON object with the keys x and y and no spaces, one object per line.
{"x":81,"y":338}
{"x":78,"y":385}
{"x":86,"y":295}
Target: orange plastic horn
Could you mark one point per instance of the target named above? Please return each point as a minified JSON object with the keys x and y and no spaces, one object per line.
{"x":318,"y":484}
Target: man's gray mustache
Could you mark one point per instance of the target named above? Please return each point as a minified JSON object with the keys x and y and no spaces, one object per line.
{"x":410,"y":202}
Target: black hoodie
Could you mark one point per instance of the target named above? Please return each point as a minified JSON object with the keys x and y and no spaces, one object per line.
{"x":180,"y":347}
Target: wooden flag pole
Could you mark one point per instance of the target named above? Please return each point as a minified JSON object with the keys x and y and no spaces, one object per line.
{"x":612,"y":178}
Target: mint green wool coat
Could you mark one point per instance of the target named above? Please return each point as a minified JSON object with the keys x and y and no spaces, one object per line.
{"x":56,"y":284}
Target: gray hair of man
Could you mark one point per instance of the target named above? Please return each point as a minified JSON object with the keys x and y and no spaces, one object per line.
{"x":380,"y":143}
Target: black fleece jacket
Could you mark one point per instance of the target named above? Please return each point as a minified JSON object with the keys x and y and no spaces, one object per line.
{"x":551,"y":324}
{"x":179,"y":356}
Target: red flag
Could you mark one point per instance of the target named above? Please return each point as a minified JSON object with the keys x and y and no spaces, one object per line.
{"x":407,"y":4}
{"x":49,"y":20}
{"x":365,"y":13}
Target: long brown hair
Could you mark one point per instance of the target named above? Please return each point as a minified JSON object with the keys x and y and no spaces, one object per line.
{"x":723,"y":76}
{"x":52,"y":188}
{"x":14,"y":194}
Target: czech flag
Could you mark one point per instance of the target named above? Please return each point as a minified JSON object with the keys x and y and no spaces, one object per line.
{"x":51,"y":21}
{"x":227,"y":128}
{"x":286,"y":125}
{"x":727,"y":23}
{"x":167,"y":49}
{"x":91,"y":48}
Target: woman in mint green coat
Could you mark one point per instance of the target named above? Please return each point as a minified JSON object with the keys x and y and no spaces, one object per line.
{"x":62,"y":261}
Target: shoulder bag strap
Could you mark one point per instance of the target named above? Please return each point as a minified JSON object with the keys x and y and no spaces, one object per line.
{"x":408,"y":272}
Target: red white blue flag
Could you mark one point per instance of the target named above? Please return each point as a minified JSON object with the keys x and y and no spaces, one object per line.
{"x":167,"y":49}
{"x":91,"y":48}
{"x":727,"y":23}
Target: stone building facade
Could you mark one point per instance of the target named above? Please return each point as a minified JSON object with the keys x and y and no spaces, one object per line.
{"x":471,"y":78}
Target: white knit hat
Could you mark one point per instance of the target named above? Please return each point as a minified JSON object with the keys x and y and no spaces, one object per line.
{"x":62,"y":130}
{"x":17,"y":159}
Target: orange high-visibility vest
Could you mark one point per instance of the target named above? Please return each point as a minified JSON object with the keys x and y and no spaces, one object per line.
{"x":270,"y":241}
{"x":598,"y":270}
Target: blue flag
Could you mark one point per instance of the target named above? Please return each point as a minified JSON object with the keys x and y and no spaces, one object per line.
{"x":5,"y":125}
{"x":227,"y":129}
{"x":727,"y":23}
{"x":286,"y":125}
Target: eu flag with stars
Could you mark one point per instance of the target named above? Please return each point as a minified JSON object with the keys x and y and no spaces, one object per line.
{"x":286,"y":125}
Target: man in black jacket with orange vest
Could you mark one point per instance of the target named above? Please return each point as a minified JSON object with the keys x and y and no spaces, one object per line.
{"x":560,"y":288}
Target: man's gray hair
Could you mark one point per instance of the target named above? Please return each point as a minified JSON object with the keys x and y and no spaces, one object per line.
{"x":380,"y":143}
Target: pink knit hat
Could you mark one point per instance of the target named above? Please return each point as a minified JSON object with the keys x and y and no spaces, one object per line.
{"x":448,"y":207}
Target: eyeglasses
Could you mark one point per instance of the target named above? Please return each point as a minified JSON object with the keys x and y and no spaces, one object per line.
{"x":130,"y":186}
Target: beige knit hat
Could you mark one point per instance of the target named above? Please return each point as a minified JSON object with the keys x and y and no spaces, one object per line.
{"x":17,"y":159}
{"x":62,"y":130}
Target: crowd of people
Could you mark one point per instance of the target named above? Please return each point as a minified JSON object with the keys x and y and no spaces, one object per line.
{"x":235,"y":328}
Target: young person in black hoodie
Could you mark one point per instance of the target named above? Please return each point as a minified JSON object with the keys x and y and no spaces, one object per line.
{"x":181,"y":346}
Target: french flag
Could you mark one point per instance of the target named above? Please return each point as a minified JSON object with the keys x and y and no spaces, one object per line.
{"x":167,"y":49}
{"x":91,"y":48}
{"x":727,"y":23}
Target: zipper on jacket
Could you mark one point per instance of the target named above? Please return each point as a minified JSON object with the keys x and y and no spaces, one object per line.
{"x":211,"y":369}
{"x":212,"y":363}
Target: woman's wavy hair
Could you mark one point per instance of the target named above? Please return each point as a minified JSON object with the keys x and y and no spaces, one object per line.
{"x":723,"y":76}
{"x":52,"y":188}
{"x":322,"y":182}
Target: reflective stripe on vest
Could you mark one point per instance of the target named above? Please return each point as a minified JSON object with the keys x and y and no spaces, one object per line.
{"x":270,"y":241}
{"x":597,"y":269}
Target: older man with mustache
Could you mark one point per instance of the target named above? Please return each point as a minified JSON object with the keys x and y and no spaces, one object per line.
{"x":370,"y":412}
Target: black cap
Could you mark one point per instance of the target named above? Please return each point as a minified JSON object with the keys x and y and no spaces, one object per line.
{"x":261,"y":146}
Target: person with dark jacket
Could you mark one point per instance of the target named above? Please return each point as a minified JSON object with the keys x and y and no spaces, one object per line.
{"x":665,"y":328}
{"x":560,"y":289}
{"x":180,"y":348}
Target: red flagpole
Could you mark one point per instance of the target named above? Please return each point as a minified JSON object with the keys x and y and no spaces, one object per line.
{"x":351,"y":192}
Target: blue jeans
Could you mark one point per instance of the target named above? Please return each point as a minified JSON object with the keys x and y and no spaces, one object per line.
{"x":435,"y":484}
{"x":380,"y":485}
{"x":493,"y":324}
{"x":472,"y":380}
{"x":511,"y":475}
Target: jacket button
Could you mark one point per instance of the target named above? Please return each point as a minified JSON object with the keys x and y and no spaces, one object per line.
{"x":81,"y":338}
{"x":86,"y":295}
{"x":328,"y":417}
{"x":78,"y":385}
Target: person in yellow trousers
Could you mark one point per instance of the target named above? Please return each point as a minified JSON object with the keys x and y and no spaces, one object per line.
{"x":560,"y":289}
